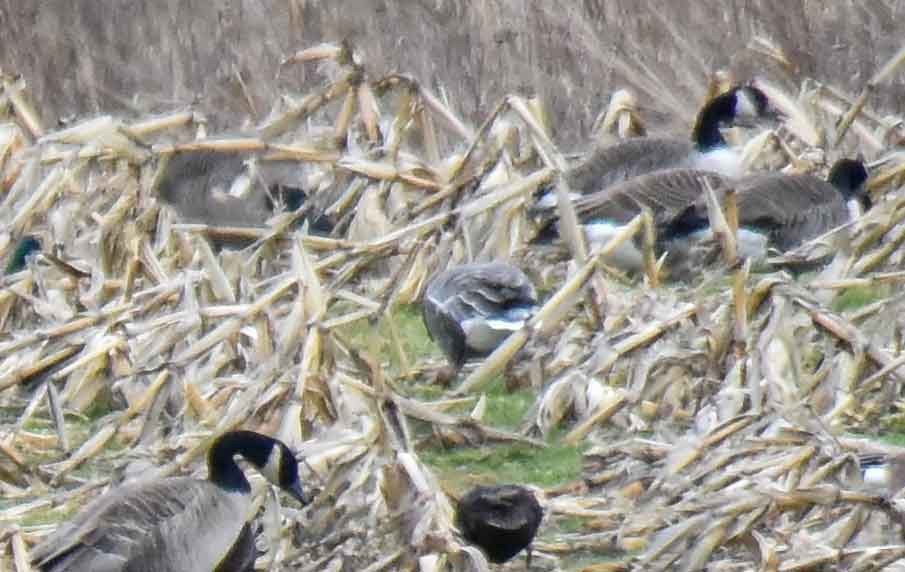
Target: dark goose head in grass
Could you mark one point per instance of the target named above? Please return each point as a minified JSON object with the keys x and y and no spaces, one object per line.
{"x":470,"y":309}
{"x":500,"y":520}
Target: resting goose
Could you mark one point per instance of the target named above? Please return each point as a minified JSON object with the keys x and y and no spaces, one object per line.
{"x":197,"y":185}
{"x":176,"y":524}
{"x":787,"y":210}
{"x":792,"y":209}
{"x":470,"y":309}
{"x":667,"y":194}
{"x":501,"y":520}
{"x":774,"y":209}
{"x":706,"y":149}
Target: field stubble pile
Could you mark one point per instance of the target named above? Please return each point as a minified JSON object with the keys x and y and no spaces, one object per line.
{"x":716,"y":417}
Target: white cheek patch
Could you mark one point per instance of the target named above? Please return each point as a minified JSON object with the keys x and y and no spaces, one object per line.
{"x":854,"y":209}
{"x":876,"y":476}
{"x":271,"y":470}
{"x":744,"y":105}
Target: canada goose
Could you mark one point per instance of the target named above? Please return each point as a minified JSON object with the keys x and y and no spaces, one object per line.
{"x":176,"y":524}
{"x":197,"y":184}
{"x":501,"y":520}
{"x":470,"y":309}
{"x":667,"y":194}
{"x":788,"y":210}
{"x":28,"y":245}
{"x":706,"y":150}
{"x":774,"y":209}
{"x":792,"y":209}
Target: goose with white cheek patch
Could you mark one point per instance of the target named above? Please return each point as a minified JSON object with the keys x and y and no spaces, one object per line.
{"x":784,"y":211}
{"x":470,"y":309}
{"x":706,"y":149}
{"x":774,"y":209}
{"x":175,"y":524}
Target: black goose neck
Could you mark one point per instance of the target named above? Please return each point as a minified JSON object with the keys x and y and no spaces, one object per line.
{"x":718,"y":111}
{"x":221,"y":463}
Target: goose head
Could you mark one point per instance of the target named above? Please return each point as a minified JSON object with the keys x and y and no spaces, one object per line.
{"x":282,"y":470}
{"x":744,"y":105}
{"x":501,"y":520}
{"x":271,"y":457}
{"x":849,"y":177}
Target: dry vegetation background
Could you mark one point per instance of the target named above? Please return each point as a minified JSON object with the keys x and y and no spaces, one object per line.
{"x":673,"y":426}
{"x":85,"y":56}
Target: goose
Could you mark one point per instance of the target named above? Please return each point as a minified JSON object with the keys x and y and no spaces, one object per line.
{"x":668,"y":194}
{"x":792,"y":209}
{"x":706,"y":150}
{"x":197,"y":185}
{"x":784,"y":211}
{"x":501,"y":520}
{"x":175,"y":524}
{"x":470,"y":309}
{"x":775,"y":210}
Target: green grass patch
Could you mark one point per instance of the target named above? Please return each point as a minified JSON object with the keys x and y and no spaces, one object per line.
{"x":516,"y":463}
{"x":377,"y":338}
{"x":570,"y":524}
{"x":897,"y":438}
{"x":858,"y":297}
{"x":506,"y":409}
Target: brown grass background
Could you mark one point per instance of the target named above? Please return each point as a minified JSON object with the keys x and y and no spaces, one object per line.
{"x":141,"y":56}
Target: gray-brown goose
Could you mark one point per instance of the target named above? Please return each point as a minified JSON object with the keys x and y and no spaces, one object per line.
{"x":775,"y":210}
{"x":788,"y":210}
{"x":668,"y":194}
{"x":175,"y":524}
{"x":470,"y":309}
{"x":792,"y":209}
{"x":197,"y":185}
{"x":705,"y":150}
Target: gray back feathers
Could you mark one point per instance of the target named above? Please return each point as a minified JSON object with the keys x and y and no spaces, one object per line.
{"x":473,"y":294}
{"x":613,"y":164}
{"x":790,"y":208}
{"x":172,"y":524}
{"x":196,"y":183}
{"x":666,"y":193}
{"x":482,"y":289}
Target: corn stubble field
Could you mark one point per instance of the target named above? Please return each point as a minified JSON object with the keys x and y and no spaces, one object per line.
{"x":711,"y":424}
